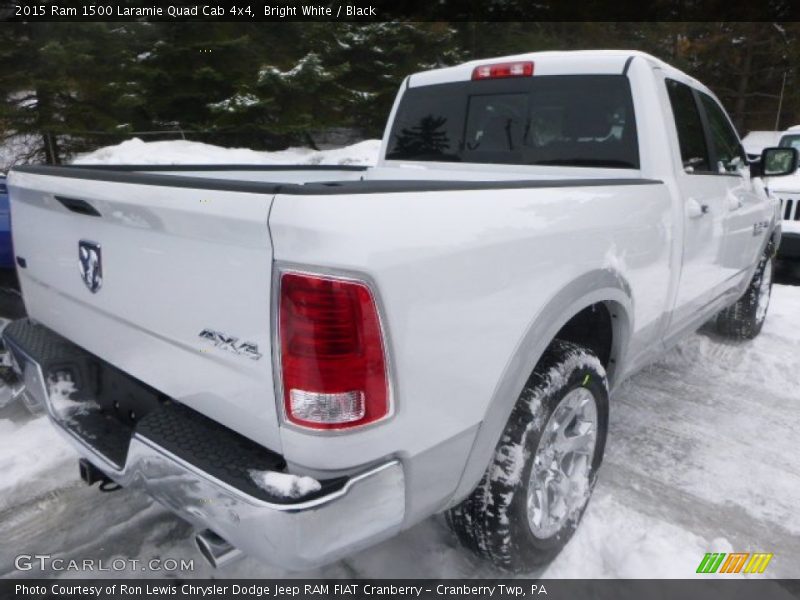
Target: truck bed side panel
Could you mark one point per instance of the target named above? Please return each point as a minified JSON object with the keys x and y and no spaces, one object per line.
{"x":461,"y":276}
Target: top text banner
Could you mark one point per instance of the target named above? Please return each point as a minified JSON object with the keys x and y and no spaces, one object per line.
{"x":397,"y":10}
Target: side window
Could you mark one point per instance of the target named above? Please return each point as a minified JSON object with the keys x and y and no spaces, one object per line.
{"x":727,"y":148}
{"x":691,"y":137}
{"x":787,"y":141}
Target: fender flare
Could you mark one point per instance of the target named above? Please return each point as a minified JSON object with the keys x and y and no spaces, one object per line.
{"x":603,"y":285}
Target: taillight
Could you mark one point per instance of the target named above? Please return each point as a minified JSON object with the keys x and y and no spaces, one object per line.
{"x":503,"y":70}
{"x":332,"y":353}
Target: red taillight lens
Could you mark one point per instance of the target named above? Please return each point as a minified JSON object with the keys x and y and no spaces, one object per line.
{"x":503,"y":70}
{"x":332,"y":353}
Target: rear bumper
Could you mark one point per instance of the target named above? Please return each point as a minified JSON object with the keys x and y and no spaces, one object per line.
{"x":295,"y":534}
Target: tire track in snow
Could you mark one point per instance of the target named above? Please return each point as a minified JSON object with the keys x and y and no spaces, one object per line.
{"x":652,"y":497}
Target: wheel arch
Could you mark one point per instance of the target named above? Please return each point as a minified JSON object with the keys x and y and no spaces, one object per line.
{"x":604,"y":288}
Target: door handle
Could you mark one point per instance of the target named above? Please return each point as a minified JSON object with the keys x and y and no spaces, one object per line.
{"x":695,"y":210}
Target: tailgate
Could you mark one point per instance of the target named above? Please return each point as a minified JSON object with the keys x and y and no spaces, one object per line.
{"x":169,"y":283}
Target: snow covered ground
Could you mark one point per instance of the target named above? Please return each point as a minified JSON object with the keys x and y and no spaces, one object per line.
{"x":702,"y":456}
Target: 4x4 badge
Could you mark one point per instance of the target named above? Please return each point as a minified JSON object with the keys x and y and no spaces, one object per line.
{"x":231,"y":344}
{"x":760,"y":227}
{"x":90,"y":261}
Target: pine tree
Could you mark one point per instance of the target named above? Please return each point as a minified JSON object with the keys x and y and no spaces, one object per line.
{"x":187,"y":68}
{"x":338,"y":75}
{"x":72,"y":87}
{"x":64,"y":85}
{"x":379,"y":56}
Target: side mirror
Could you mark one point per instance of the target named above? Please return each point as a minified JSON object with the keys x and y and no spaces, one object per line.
{"x":776,"y":162}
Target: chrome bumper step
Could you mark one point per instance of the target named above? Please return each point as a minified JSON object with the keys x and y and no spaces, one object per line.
{"x":198,"y":468}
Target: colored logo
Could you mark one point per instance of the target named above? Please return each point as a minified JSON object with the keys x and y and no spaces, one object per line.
{"x":735,"y":562}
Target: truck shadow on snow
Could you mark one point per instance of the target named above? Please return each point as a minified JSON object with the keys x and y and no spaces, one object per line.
{"x":787,"y":272}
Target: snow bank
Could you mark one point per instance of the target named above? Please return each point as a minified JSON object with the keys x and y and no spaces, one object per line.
{"x":284,"y":484}
{"x":31,"y":449}
{"x":755,"y":141}
{"x":176,"y":152}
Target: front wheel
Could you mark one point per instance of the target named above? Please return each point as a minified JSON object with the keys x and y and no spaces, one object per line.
{"x":531,"y":498}
{"x":744,"y":319}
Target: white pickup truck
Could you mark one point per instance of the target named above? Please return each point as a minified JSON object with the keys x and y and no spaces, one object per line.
{"x":304,"y":361}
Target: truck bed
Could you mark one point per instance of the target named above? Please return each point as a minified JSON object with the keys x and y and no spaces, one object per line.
{"x":187,"y":250}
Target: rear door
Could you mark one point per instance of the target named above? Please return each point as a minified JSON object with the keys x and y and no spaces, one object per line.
{"x":747,"y":215}
{"x":170,"y":283}
{"x":704,"y":209}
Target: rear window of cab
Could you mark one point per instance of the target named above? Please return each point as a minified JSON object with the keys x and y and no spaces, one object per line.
{"x":566,"y":120}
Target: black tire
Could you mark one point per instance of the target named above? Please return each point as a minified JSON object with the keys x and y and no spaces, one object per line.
{"x":493,"y":520}
{"x":743,"y":320}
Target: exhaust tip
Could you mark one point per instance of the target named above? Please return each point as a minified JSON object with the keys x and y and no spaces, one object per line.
{"x":216,"y":550}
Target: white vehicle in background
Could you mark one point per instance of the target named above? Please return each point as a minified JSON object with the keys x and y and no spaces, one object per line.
{"x":787,"y":190}
{"x":304,"y":361}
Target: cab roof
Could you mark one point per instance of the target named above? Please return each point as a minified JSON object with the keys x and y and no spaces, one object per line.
{"x":572,"y":62}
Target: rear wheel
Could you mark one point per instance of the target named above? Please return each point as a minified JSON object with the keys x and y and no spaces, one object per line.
{"x":531,"y":498}
{"x":744,"y":319}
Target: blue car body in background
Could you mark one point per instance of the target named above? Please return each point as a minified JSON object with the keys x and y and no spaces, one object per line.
{"x":6,"y":251}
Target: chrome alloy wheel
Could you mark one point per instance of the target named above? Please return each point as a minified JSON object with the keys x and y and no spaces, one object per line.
{"x":559,"y":484}
{"x":764,"y":290}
